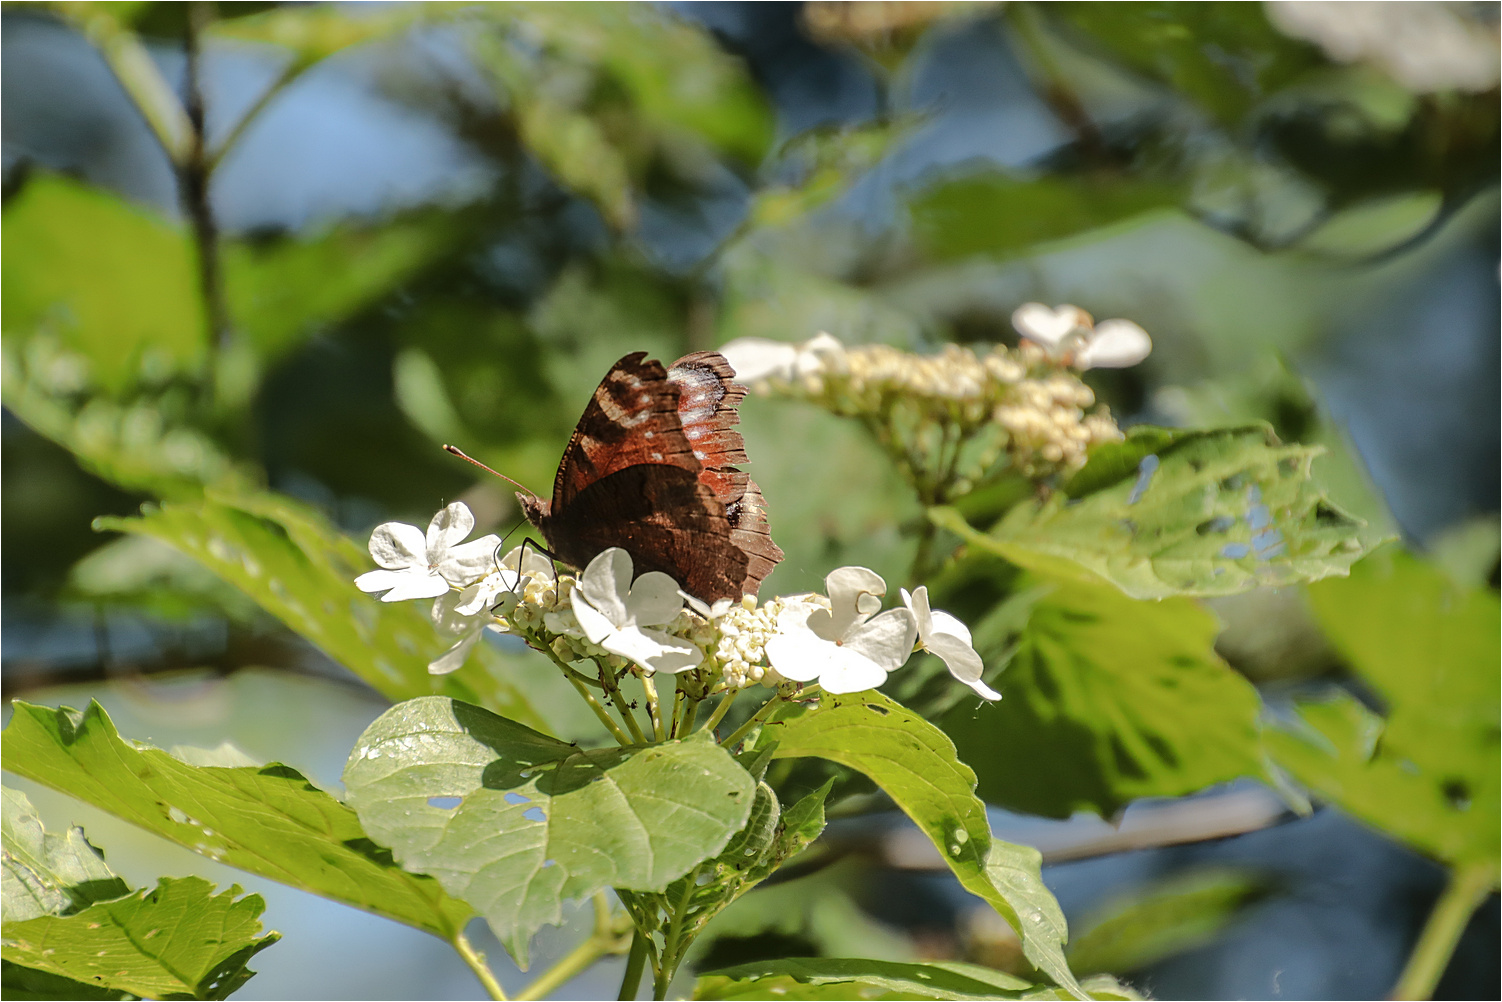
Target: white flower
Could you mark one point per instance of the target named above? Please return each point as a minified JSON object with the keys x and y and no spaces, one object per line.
{"x":1071,"y":336}
{"x":617,"y":614}
{"x":944,"y":635}
{"x":418,"y":567}
{"x":449,"y":618}
{"x":757,"y":358}
{"x":842,"y":646}
{"x":505,"y":581}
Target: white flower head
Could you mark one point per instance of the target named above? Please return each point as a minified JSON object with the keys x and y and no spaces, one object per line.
{"x":618,"y":614}
{"x":756,"y":358}
{"x":942,"y":634}
{"x":503,"y":585}
{"x":843,"y":646}
{"x":1070,"y":335}
{"x":418,"y":566}
{"x":449,"y":617}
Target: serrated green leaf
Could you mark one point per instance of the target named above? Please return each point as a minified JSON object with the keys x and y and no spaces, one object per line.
{"x":270,"y":820}
{"x":178,"y":941}
{"x":1428,"y":773}
{"x":1109,"y":699}
{"x":45,"y":873}
{"x":286,"y":558}
{"x":914,"y":763}
{"x":1164,"y":919}
{"x":534,"y":820}
{"x":1198,"y":513}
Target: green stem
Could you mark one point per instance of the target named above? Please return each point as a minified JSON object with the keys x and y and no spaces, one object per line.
{"x":602,"y":940}
{"x":654,"y":708}
{"x":636,"y":960}
{"x":132,"y":65}
{"x":476,"y":962}
{"x":720,"y":711}
{"x":677,"y":714}
{"x":289,"y":73}
{"x":670,"y":946}
{"x":1467,"y":888}
{"x":613,"y":689}
{"x":766,"y":710}
{"x":594,"y":704}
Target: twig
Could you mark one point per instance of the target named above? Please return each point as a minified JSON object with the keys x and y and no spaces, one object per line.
{"x":603,"y":939}
{"x":654,"y":708}
{"x":636,"y":960}
{"x":476,"y":962}
{"x":1468,"y":887}
{"x":720,"y":711}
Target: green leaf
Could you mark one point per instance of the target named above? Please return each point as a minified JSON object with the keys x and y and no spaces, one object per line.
{"x":1003,"y":216}
{"x":1224,"y":56}
{"x":1182,"y":513}
{"x":1428,"y":773}
{"x":178,"y":941}
{"x":27,"y":983}
{"x":44,"y":873}
{"x":838,"y":978}
{"x":312,"y":34}
{"x":110,"y":281}
{"x":296,"y":567}
{"x":535,"y":820}
{"x":270,"y":820}
{"x":914,"y":763}
{"x":1109,"y":699}
{"x":1167,"y":918}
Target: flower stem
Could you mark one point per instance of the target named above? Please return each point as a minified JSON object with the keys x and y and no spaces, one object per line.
{"x":756,"y":718}
{"x":613,"y":690}
{"x":720,"y":711}
{"x":677,"y":711}
{"x":671,"y":947}
{"x":594,"y":704}
{"x":1467,"y":888}
{"x":602,"y":940}
{"x":476,"y":962}
{"x":636,"y":960}
{"x":654,"y":708}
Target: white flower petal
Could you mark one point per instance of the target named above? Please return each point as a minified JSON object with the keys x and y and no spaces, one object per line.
{"x":850,"y":672}
{"x":374,"y":581}
{"x":416,"y":584}
{"x":1048,"y":328}
{"x":944,"y":623}
{"x":454,"y":657}
{"x":606,"y":582}
{"x":887,"y":640}
{"x":963,"y":663}
{"x":653,"y":650}
{"x":395,"y":545}
{"x":450,"y":526}
{"x":917,"y":604}
{"x":446,"y":616}
{"x":654,"y":599}
{"x":564,"y":623}
{"x":1116,"y":344}
{"x":756,"y":358}
{"x":800,"y":656}
{"x":536,"y":564}
{"x":595,"y":624}
{"x":469,"y":562}
{"x":851,"y":590}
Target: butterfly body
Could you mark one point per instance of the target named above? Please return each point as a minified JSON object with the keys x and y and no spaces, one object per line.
{"x":650,"y":469}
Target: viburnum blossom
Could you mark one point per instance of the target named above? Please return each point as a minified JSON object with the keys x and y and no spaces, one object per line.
{"x":842,"y":645}
{"x":619,"y":614}
{"x":756,"y":358}
{"x":418,"y":566}
{"x":1070,"y":335}
{"x":499,"y":591}
{"x":942,"y":634}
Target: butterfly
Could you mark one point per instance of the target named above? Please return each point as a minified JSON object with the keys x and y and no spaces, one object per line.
{"x":651,"y":469}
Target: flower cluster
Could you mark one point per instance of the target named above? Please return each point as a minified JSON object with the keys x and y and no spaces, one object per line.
{"x":961,"y":416}
{"x":646,"y":625}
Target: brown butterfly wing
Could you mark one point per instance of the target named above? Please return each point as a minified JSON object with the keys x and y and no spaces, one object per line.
{"x":707,"y":409}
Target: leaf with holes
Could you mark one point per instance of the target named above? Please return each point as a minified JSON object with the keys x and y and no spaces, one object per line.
{"x":513,"y":821}
{"x":296,"y":567}
{"x":841,"y":978}
{"x":178,"y":941}
{"x":1182,"y":513}
{"x":914,"y":763}
{"x":268,"y":820}
{"x":1428,"y":773}
{"x":44,"y":873}
{"x":1109,"y":699}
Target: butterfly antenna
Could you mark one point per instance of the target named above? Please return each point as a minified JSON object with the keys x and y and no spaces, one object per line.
{"x":455,"y":451}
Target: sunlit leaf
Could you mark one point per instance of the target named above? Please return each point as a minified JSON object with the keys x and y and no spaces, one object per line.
{"x":513,"y":821}
{"x":1428,"y":772}
{"x":1003,"y":216}
{"x":267,"y":820}
{"x":110,"y":281}
{"x":313,"y":33}
{"x":914,"y":763}
{"x":45,"y":873}
{"x":839,"y":978}
{"x":178,"y":941}
{"x":1163,"y":919}
{"x":1108,"y":699}
{"x":296,"y":567}
{"x":1182,"y":513}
